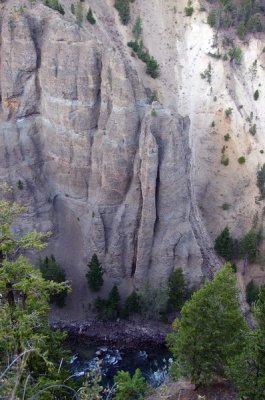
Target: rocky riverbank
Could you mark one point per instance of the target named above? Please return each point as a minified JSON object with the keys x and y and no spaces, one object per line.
{"x":125,"y":334}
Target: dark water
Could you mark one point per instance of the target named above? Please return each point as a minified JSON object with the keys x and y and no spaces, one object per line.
{"x":154,"y":363}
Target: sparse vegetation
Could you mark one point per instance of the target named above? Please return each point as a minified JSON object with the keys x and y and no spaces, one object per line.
{"x":152,"y":66}
{"x":225,"y":206}
{"x":189,"y":9}
{"x":55,"y":5}
{"x":224,"y":160}
{"x":253,"y":129}
{"x":207,"y":73}
{"x":241,"y":160}
{"x":123,"y":8}
{"x":20,"y":184}
{"x":137,"y":28}
{"x":256,"y":95}
{"x":228,"y":112}
{"x":261,"y":180}
{"x":90,"y":17}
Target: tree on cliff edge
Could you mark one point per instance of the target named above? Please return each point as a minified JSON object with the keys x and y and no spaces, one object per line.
{"x":210,"y":332}
{"x":94,"y":274}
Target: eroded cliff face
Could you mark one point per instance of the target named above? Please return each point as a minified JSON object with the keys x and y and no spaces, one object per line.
{"x":98,"y":168}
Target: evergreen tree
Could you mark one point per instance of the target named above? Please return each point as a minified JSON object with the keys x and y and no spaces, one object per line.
{"x":55,"y":5}
{"x":247,"y":369}
{"x":52,"y":271}
{"x":176,"y":285}
{"x":30,"y":352}
{"x":123,"y":7}
{"x":152,"y":67}
{"x":137,"y":28}
{"x":109,"y":308}
{"x":210,"y":331}
{"x":130,"y":388}
{"x":249,"y":244}
{"x":224,"y":244}
{"x":132,"y":305}
{"x":94,"y":274}
{"x":90,"y":17}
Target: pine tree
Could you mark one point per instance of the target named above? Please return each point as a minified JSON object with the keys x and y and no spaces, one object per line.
{"x":152,"y":67}
{"x":90,"y":17}
{"x":224,"y":244}
{"x":130,"y":387}
{"x":176,"y":285}
{"x":94,"y":274}
{"x":28,"y":347}
{"x":52,"y":271}
{"x":210,"y":332}
{"x":247,"y":369}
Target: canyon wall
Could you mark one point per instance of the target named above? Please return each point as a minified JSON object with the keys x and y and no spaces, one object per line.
{"x":105,"y":170}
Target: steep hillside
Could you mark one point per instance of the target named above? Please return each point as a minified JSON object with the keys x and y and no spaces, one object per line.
{"x":140,"y":184}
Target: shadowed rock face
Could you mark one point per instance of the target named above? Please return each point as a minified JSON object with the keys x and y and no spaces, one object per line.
{"x":98,"y":168}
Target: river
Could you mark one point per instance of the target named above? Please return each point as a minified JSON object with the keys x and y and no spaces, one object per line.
{"x":153,"y":362}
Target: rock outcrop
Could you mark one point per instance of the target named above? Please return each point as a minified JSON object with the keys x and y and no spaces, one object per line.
{"x":101,"y":167}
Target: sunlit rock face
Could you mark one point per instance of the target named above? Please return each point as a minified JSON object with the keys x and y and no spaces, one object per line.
{"x":102,"y":168}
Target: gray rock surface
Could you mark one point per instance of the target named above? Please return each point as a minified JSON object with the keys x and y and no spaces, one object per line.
{"x":98,"y":168}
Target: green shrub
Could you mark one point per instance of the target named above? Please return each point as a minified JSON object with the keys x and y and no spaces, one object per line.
{"x":223,"y":244}
{"x":79,"y":13}
{"x":224,"y":160}
{"x":123,"y":8}
{"x":256,"y":95}
{"x":20,"y":184}
{"x":189,"y":9}
{"x":207,"y":73}
{"x":90,"y":17}
{"x":235,"y":55}
{"x":73,"y":9}
{"x":227,"y":137}
{"x":52,"y":271}
{"x":212,"y":19}
{"x":94,"y":274}
{"x":225,"y":206}
{"x":137,"y":28}
{"x":55,"y":5}
{"x":253,"y":129}
{"x":228,"y":112}
{"x":241,"y":31}
{"x":252,"y":293}
{"x":152,"y":67}
{"x":241,"y":160}
{"x":248,"y":246}
{"x":213,"y":124}
{"x":129,"y":387}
